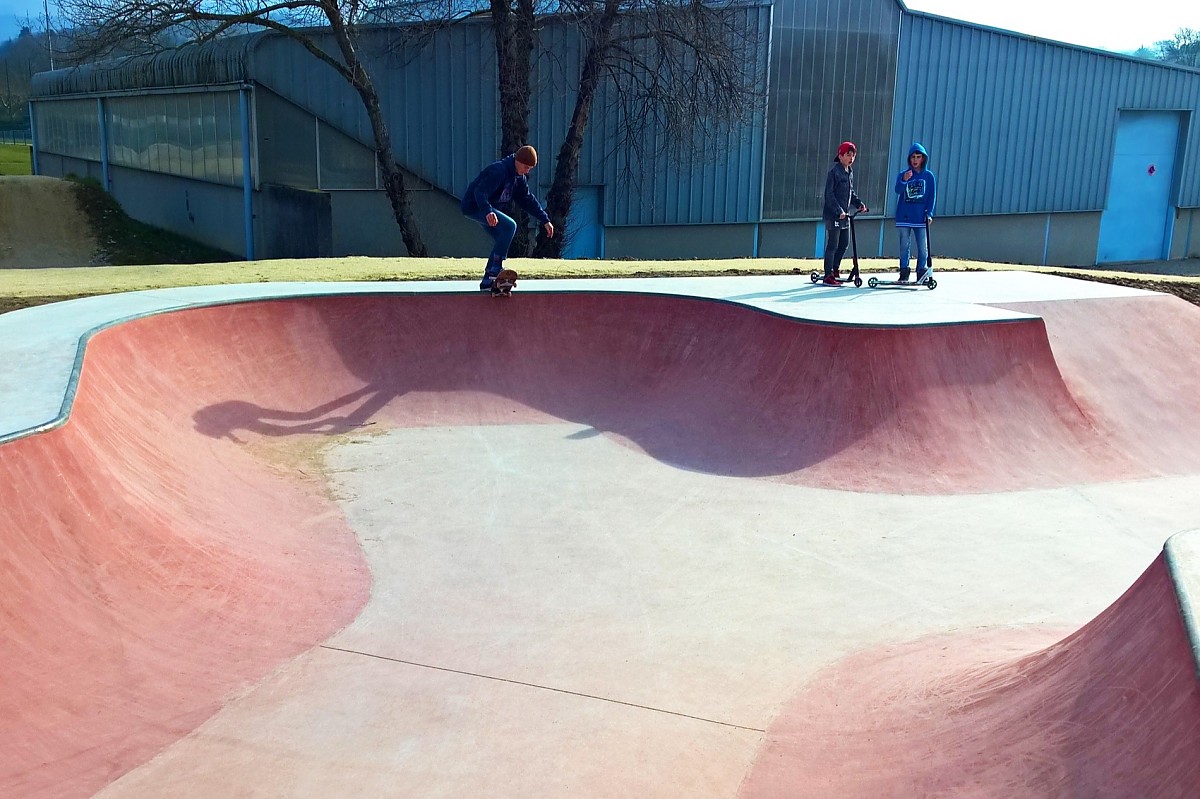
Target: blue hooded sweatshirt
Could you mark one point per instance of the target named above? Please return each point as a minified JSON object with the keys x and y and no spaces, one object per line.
{"x":918,"y":194}
{"x":497,"y":184}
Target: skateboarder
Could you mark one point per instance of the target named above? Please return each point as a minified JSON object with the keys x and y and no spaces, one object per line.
{"x":499,"y":183}
{"x":839,"y":199}
{"x":917,"y":190}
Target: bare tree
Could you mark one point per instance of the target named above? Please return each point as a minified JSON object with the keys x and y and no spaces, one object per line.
{"x":513,"y":23}
{"x":20,"y":58}
{"x":108,"y":27}
{"x":678,"y":71}
{"x":1183,"y":49}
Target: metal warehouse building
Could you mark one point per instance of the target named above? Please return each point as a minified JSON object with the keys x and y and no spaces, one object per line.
{"x":1046,"y":153}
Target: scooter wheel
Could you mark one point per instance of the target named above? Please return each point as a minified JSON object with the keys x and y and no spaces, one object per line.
{"x":872,"y":282}
{"x":815,"y":277}
{"x":931,"y":283}
{"x":858,"y":282}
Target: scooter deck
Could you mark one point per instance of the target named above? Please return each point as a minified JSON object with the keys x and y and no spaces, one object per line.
{"x":927,"y":283}
{"x":853,"y":280}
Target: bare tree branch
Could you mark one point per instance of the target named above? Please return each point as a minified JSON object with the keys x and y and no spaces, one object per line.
{"x":109,"y":27}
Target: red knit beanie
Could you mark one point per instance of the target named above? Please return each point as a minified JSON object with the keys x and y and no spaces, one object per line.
{"x":527,"y":155}
{"x":846,"y":147}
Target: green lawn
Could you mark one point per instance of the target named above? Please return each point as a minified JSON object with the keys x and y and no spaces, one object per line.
{"x":14,"y":159}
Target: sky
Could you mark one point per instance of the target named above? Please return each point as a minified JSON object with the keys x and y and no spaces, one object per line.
{"x":1103,"y":24}
{"x":1121,"y":27}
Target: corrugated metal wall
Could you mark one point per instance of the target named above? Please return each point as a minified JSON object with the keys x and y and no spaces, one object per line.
{"x":1018,"y":125}
{"x":441,"y":104}
{"x":719,"y":185}
{"x":439,"y":101}
{"x":832,"y":77}
{"x":1015,"y":125}
{"x":214,"y":63}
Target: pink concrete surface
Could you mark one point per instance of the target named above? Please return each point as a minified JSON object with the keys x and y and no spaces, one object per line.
{"x":1111,"y":710}
{"x":155,"y":563}
{"x":148,"y":572}
{"x":696,"y":384}
{"x":1130,"y":365}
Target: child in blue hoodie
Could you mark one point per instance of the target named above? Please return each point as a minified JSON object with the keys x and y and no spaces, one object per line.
{"x":500,"y":182}
{"x":917,"y":190}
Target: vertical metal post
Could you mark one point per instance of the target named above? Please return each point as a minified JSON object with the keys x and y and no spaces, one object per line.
{"x":33,"y":139}
{"x":104,"y":176}
{"x":247,"y":175}
{"x":1046,"y":241}
{"x":49,"y":40}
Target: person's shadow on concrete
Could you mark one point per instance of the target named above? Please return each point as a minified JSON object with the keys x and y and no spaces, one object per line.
{"x":224,"y":419}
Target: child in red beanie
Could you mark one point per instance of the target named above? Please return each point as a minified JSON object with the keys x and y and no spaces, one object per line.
{"x":839,"y":199}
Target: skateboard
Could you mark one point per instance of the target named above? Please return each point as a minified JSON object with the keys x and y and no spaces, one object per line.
{"x":876,"y":283}
{"x":503,"y":284}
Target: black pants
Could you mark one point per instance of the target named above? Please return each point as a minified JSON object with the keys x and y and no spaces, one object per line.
{"x":837,"y":239}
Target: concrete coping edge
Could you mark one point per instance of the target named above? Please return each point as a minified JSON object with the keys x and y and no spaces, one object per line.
{"x":1182,"y":552}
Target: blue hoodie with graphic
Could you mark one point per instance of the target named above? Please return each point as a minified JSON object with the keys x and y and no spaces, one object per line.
{"x":918,"y":194}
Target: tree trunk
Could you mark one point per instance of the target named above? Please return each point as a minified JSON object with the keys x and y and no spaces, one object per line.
{"x":566,"y":168}
{"x":393,"y":178}
{"x":513,"y":29}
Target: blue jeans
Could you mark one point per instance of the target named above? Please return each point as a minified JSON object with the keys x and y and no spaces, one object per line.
{"x":907,"y":235}
{"x":502,"y":235}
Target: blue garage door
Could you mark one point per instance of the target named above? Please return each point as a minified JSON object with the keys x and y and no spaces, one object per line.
{"x":1136,"y":223}
{"x":585,"y":233}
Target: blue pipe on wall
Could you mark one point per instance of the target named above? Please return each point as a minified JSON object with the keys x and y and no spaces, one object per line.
{"x":103,"y":144}
{"x":247,"y":175}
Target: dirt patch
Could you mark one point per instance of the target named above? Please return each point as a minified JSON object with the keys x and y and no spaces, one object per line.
{"x":1188,"y":290}
{"x":16,"y":303}
{"x":41,"y":224}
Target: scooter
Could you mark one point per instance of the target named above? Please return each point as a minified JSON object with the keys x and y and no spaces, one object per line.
{"x":819,"y":277}
{"x":926,"y":282}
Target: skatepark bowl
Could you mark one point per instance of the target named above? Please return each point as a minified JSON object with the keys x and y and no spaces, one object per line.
{"x":713,"y":537}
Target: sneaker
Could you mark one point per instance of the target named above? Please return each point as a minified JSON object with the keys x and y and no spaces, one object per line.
{"x":921,"y":276}
{"x":903,"y":277}
{"x":485,"y":285}
{"x":830,"y":280}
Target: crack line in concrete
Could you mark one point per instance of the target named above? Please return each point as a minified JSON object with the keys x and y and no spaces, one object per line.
{"x":540,"y":687}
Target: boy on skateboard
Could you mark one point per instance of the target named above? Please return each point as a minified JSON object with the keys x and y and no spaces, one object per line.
{"x":499,"y":183}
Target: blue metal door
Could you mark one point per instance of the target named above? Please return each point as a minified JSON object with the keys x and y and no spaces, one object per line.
{"x":585,"y":233}
{"x":1136,"y":222}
